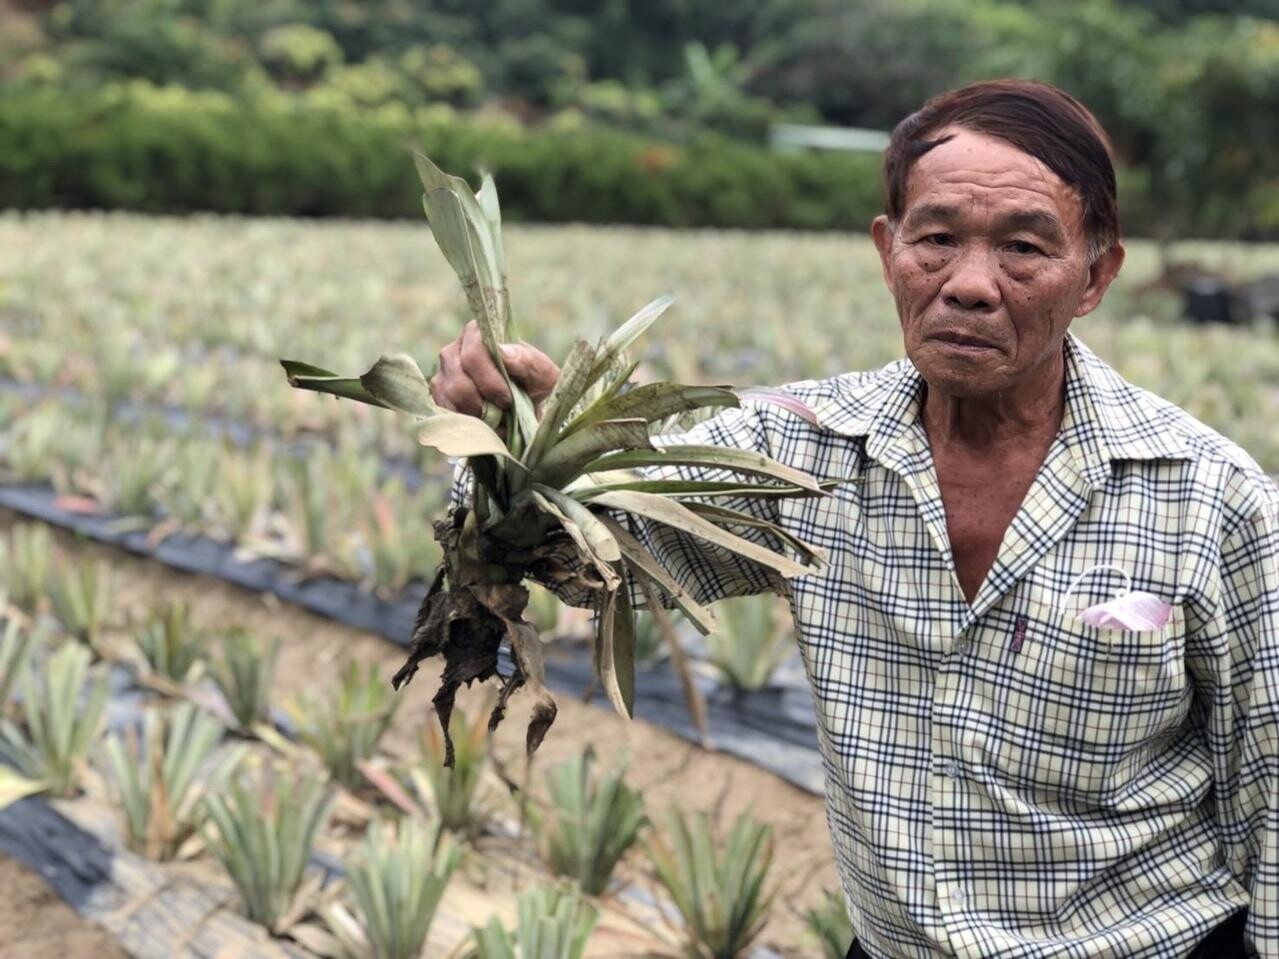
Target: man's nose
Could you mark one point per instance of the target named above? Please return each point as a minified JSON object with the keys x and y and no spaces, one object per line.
{"x":972,"y":284}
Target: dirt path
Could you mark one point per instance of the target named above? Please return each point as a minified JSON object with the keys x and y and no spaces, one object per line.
{"x":667,"y":769}
{"x":36,"y":924}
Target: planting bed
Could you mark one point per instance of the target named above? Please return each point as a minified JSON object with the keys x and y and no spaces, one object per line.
{"x":774,"y":728}
{"x":665,"y":769}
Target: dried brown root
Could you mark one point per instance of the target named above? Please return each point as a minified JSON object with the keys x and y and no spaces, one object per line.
{"x":465,"y":616}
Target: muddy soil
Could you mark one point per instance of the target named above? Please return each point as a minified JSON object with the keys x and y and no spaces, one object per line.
{"x":667,"y":769}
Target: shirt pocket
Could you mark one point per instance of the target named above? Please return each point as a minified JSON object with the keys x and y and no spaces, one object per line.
{"x":1104,"y":692}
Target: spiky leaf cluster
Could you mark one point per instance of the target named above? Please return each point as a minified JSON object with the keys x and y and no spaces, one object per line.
{"x":459,"y":802}
{"x":161,"y":774}
{"x":828,"y":924}
{"x":589,"y":823}
{"x":554,"y":923}
{"x":345,"y":726}
{"x":244,"y":672}
{"x":719,"y":893}
{"x":397,"y":878}
{"x":263,"y":833}
{"x":63,"y":711}
{"x":550,"y":484}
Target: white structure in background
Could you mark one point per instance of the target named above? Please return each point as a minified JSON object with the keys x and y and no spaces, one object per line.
{"x":793,"y":137}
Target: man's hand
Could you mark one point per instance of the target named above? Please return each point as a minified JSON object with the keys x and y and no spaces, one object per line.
{"x":468,"y":377}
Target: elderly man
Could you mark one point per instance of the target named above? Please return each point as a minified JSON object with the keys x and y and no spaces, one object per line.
{"x":1006,"y":777}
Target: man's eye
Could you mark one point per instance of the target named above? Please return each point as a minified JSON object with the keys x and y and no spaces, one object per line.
{"x":1022,"y":248}
{"x":939,"y":239}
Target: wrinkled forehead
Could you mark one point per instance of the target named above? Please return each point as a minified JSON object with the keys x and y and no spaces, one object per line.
{"x":983,"y":175}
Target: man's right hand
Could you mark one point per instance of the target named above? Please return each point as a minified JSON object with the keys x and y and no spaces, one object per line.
{"x":467,"y":376}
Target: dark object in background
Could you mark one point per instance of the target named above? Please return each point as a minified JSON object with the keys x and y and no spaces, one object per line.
{"x":1206,"y":299}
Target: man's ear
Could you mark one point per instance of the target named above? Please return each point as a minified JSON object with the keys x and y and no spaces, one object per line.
{"x":1100,"y":275}
{"x":881,"y":232}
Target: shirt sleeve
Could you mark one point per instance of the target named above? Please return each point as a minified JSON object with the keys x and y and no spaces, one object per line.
{"x":1243,"y":719}
{"x":707,"y":572}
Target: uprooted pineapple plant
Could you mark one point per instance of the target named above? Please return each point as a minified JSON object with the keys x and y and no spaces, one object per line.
{"x":551,"y":486}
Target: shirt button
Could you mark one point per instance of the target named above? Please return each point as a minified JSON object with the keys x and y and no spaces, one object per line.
{"x":962,"y":646}
{"x":958,"y":896}
{"x":953,"y":770}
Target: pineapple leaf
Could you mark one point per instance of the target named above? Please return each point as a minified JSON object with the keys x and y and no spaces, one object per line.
{"x":461,"y":229}
{"x":455,"y":434}
{"x":617,"y":652}
{"x":567,"y":460}
{"x":692,"y":695}
{"x":304,"y":376}
{"x":15,"y":786}
{"x":396,"y":381}
{"x":675,"y":514}
{"x":577,"y":534}
{"x":615,"y":345}
{"x":486,"y":196}
{"x":567,"y":393}
{"x":723,"y":457}
{"x":721,"y":514}
{"x":640,"y":559}
{"x":698,"y":488}
{"x":597,"y":535}
{"x":652,"y":402}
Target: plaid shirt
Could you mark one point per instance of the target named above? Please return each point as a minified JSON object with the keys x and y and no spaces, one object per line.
{"x":1003,"y":780}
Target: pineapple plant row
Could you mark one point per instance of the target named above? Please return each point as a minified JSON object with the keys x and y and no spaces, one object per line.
{"x":328,"y":511}
{"x":181,"y":790}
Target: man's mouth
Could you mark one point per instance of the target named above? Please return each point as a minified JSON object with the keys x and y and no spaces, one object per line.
{"x":963,"y":341}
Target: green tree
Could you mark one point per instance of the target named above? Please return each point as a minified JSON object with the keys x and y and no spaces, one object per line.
{"x":298,"y":52}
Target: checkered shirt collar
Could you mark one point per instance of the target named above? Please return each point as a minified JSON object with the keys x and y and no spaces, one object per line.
{"x":1101,"y":422}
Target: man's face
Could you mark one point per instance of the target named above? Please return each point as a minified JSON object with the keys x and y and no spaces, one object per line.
{"x":988,"y":265}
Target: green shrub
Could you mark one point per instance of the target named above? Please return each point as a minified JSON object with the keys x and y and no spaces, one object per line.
{"x":161,"y":776}
{"x":298,"y":52}
{"x":750,"y":641}
{"x":454,"y":788}
{"x":136,"y":476}
{"x":165,"y":149}
{"x":28,"y":562}
{"x":16,"y":646}
{"x":83,"y":595}
{"x":170,"y":642}
{"x":398,"y":878}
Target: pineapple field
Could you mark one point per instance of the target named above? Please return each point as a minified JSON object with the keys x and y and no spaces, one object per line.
{"x":210,"y":577}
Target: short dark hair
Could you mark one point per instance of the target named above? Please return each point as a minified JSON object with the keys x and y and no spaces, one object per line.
{"x":1038,"y":119}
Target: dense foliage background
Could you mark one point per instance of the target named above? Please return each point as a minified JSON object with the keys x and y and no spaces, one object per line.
{"x":648,"y":111}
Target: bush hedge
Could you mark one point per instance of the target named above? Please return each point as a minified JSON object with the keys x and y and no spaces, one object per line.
{"x":167,"y":149}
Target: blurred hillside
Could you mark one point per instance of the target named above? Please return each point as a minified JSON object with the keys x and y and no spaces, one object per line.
{"x":646,"y":111}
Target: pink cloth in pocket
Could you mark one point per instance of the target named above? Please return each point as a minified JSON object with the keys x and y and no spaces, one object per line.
{"x":1134,"y":611}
